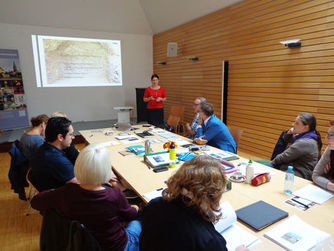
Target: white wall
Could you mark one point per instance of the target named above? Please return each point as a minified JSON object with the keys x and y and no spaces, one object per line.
{"x":81,"y":103}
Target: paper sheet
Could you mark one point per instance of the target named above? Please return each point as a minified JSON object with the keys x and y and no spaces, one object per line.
{"x":313,"y":193}
{"x":154,"y":194}
{"x":131,"y":140}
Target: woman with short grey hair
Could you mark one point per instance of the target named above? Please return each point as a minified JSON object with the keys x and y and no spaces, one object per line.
{"x":102,"y":209}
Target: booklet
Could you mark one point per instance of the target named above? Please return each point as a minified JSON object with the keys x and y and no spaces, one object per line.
{"x":158,"y":159}
{"x":295,"y":234}
{"x":138,"y":150}
{"x":233,"y":234}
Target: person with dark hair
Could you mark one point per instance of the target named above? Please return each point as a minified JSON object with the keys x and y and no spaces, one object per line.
{"x":182,"y":219}
{"x":191,"y":129}
{"x":213,"y":131}
{"x":155,"y":95}
{"x":49,"y":166}
{"x":323,"y":173}
{"x":304,"y":151}
{"x":31,"y":140}
{"x":71,"y":152}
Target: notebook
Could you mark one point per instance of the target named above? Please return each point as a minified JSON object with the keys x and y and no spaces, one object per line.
{"x":260,"y":215}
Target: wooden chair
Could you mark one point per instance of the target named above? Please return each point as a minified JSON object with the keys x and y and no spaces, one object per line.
{"x":236,"y":134}
{"x":32,"y":191}
{"x":176,"y":116}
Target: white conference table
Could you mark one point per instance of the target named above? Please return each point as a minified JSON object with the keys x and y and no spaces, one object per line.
{"x":142,"y":180}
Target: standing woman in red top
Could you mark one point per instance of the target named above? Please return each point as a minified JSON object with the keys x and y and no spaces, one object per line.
{"x":155,"y":95}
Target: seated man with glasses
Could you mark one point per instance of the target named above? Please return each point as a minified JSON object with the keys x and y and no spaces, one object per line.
{"x":192,"y":129}
{"x":213,"y":131}
{"x":50,"y":168}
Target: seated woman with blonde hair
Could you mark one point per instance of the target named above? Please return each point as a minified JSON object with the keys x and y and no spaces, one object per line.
{"x":31,"y":140}
{"x":182,"y":219}
{"x":303,"y":153}
{"x":323,"y":174}
{"x":102,"y":209}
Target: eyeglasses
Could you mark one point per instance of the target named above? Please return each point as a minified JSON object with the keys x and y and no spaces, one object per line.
{"x":71,"y":135}
{"x":329,"y":135}
{"x":194,"y":104}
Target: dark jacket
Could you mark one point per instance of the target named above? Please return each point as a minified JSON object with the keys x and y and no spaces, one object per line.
{"x":18,"y":170}
{"x":60,"y":233}
{"x":173,"y":226}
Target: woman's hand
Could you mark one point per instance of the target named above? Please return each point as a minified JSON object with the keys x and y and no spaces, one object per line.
{"x":135,"y":207}
{"x":290,"y":131}
{"x":241,"y":248}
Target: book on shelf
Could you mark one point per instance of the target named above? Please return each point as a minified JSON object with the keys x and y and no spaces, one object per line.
{"x":295,"y":234}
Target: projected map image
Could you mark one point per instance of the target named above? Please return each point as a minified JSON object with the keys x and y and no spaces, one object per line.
{"x":66,"y":62}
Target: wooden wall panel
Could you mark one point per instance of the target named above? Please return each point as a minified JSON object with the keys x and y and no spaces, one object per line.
{"x":269,"y":84}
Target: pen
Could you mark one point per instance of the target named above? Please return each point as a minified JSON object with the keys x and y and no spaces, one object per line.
{"x":307,"y":206}
{"x":159,"y":189}
{"x":250,"y":244}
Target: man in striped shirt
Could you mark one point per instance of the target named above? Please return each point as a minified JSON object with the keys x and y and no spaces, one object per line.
{"x":191,"y":129}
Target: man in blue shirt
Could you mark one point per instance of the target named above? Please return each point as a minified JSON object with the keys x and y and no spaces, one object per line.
{"x":213,"y":131}
{"x":50,"y":168}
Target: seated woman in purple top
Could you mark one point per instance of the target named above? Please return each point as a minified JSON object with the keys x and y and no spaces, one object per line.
{"x":303,"y":153}
{"x":34,"y":138}
{"x":101,"y":209}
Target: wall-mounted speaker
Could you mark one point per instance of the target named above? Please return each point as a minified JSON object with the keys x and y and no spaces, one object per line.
{"x":172,"y":49}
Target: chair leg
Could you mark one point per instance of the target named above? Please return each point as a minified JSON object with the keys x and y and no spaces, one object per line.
{"x":29,"y":193}
{"x":32,"y":193}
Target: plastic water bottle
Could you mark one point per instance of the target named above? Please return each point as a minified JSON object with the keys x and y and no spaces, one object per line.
{"x":249,"y":172}
{"x":289,"y":179}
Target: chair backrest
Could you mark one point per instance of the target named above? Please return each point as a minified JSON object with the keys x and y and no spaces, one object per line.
{"x":60,"y":233}
{"x":236,"y":134}
{"x":176,"y":116}
{"x":177,"y":111}
{"x":173,"y":121}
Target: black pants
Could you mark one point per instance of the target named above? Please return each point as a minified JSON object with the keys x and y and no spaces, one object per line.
{"x":156,"y":117}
